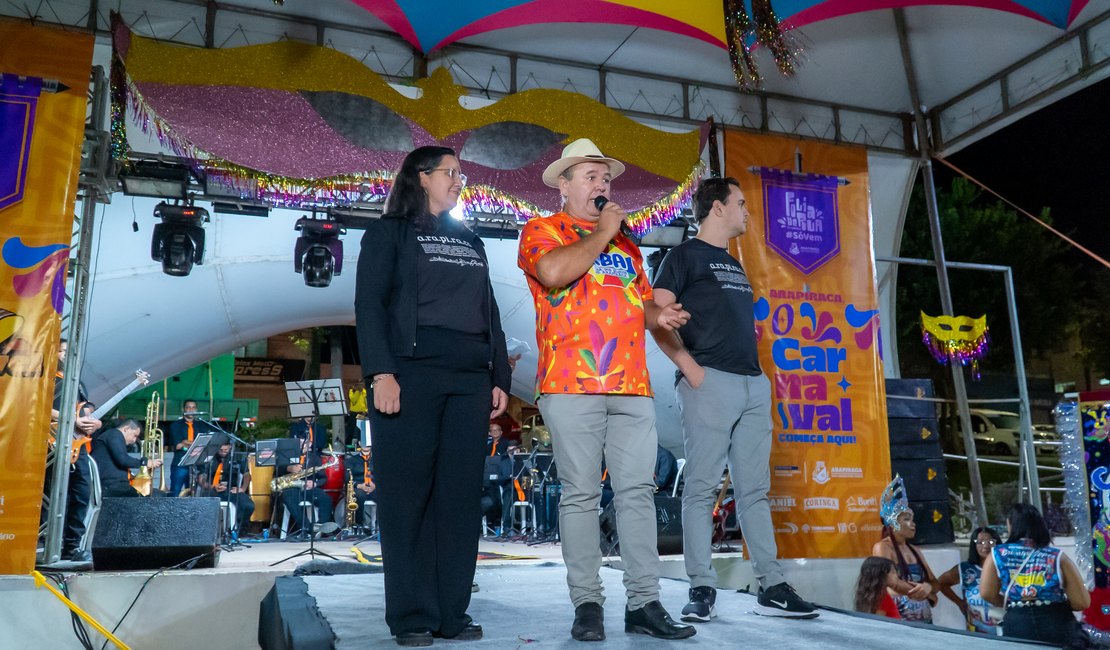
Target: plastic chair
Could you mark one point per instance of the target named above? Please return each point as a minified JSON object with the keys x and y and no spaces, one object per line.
{"x":309,"y":508}
{"x":521,"y":510}
{"x":681,"y":462}
{"x":229,"y":515}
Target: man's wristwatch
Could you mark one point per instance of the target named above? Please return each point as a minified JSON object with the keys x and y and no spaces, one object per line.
{"x":378,"y":378}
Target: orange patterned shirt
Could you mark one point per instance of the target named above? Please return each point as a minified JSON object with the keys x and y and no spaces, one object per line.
{"x":591,"y":332}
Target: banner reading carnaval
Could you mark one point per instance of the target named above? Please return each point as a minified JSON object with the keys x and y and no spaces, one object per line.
{"x":40,"y":150}
{"x":808,"y":255}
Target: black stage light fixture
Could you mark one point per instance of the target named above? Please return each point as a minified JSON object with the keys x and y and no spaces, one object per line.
{"x":319,"y":251}
{"x":145,"y":178}
{"x":178,"y":242}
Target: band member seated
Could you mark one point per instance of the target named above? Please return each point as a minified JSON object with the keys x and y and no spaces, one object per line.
{"x":311,"y":491}
{"x":109,"y":450}
{"x":498,"y":493}
{"x":361,"y":467}
{"x":182,"y":432}
{"x":309,"y":428}
{"x":229,"y":482}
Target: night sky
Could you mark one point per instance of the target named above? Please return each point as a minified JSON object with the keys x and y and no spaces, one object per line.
{"x":1056,"y":157}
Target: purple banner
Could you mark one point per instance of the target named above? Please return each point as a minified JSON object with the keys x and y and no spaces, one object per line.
{"x":18,"y":97}
{"x":800,"y":217}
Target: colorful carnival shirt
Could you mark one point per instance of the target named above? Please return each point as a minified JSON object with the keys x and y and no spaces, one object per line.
{"x":1032,"y":575}
{"x":981,"y":615}
{"x":590,"y":333}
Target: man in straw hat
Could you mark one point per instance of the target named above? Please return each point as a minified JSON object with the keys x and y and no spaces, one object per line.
{"x":593,"y":302}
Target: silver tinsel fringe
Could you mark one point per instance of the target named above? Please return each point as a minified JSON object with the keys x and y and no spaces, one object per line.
{"x":1070,"y":430}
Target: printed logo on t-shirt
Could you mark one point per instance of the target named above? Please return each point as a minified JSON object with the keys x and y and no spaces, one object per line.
{"x":613,"y":267}
{"x":730,"y":276}
{"x":449,"y":250}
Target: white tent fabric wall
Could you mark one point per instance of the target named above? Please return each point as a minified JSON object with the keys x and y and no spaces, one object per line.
{"x":247,"y":290}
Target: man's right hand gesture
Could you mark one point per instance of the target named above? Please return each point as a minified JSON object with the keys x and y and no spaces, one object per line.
{"x":153,"y":463}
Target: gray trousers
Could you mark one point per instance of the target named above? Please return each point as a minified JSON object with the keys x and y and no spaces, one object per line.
{"x":728,"y":418}
{"x":620,"y":428}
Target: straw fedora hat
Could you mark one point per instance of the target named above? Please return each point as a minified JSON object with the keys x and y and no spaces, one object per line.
{"x":580,"y":151}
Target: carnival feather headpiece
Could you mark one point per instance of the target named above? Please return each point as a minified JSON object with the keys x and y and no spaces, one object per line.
{"x":893,"y":502}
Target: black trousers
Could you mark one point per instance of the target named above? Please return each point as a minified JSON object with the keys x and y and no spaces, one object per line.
{"x":428,"y":469}
{"x":244,"y":506}
{"x":119,"y":489}
{"x":292,"y":497}
{"x":77,"y":502}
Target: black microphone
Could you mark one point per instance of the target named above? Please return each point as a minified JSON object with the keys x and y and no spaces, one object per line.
{"x":599,"y":203}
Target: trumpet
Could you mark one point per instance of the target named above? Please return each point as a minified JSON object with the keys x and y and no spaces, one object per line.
{"x":152,"y":448}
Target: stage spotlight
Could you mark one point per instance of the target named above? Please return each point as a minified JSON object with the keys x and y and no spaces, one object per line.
{"x":178,"y":242}
{"x":319,"y":251}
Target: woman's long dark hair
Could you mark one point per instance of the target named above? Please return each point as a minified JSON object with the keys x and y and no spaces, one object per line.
{"x":973,"y":548}
{"x":871,"y":583}
{"x":1026,"y":522}
{"x":903,"y":568}
{"x":408,"y":199}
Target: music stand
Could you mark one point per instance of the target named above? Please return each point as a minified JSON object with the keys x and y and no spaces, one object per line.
{"x":195,"y":453}
{"x":281,"y":455}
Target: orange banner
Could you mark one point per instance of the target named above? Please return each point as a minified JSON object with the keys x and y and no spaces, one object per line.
{"x":45,"y":78}
{"x":808,"y":255}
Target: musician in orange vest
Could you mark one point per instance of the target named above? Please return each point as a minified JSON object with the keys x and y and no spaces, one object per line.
{"x":311,"y":491}
{"x":361,"y":467}
{"x":114,"y":464}
{"x":497,"y":499}
{"x":228,"y":482}
{"x":182,"y":433}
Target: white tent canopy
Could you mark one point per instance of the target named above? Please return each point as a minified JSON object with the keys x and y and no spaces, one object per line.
{"x":976,"y":69}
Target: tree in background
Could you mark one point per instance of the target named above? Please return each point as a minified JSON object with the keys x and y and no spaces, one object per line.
{"x":1049,"y":281}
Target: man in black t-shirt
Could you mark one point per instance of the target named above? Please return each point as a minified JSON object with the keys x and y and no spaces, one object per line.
{"x":725,"y":401}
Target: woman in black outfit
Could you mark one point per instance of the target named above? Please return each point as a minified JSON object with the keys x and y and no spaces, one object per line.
{"x":433,"y":354}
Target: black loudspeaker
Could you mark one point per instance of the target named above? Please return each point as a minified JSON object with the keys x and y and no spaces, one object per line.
{"x":924,"y":478}
{"x":154,"y":533}
{"x":668,"y":519}
{"x":910,"y":408}
{"x":914,"y":438}
{"x":933,"y":521}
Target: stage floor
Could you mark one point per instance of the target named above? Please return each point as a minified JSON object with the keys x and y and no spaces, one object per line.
{"x":518,"y":605}
{"x":522,"y":598}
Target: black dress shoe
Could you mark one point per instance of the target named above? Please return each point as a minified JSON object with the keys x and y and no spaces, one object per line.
{"x":589,"y":623}
{"x":472,"y":632}
{"x":415,"y":639}
{"x":653,"y":620}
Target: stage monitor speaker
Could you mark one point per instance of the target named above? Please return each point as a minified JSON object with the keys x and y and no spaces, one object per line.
{"x":156,"y":532}
{"x":910,"y":408}
{"x":933,"y":522}
{"x":924,"y":477}
{"x":668,"y":520}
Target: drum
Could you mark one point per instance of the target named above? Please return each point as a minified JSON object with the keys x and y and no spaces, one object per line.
{"x":260,"y":490}
{"x":336,"y":477}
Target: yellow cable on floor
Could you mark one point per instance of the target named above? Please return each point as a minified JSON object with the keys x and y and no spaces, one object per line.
{"x":41,"y":581}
